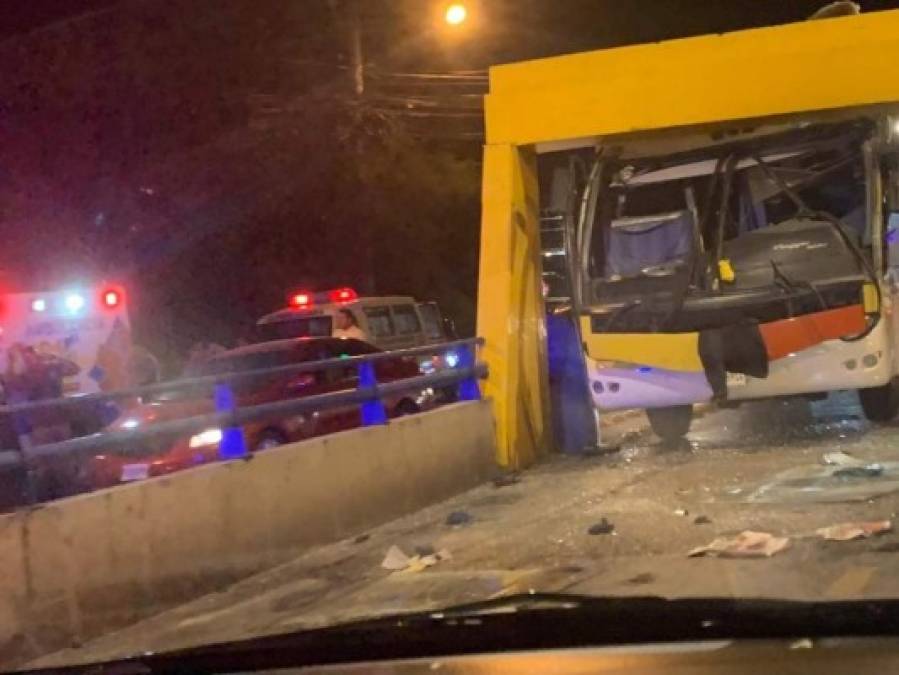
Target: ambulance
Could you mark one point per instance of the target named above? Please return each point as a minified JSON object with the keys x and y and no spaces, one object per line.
{"x":86,"y":325}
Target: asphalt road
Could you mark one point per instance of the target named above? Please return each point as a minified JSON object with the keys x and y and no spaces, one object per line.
{"x":757,"y":468}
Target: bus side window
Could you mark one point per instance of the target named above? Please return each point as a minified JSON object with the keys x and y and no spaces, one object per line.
{"x":380,"y":325}
{"x":406,"y":320}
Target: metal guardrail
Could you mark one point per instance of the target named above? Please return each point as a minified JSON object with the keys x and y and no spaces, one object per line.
{"x":211,"y":380}
{"x":465,"y":375}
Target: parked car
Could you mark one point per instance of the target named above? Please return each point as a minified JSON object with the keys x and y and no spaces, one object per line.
{"x":148,"y":458}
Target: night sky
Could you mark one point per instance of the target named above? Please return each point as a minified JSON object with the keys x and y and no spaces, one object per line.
{"x":210,"y":155}
{"x":513,"y":28}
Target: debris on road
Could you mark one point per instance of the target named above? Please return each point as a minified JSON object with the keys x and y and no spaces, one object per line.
{"x":602,"y":527}
{"x":599,"y":450}
{"x":643,"y":578}
{"x":849,"y":531}
{"x":813,"y":483}
{"x":397,"y":561}
{"x":747,"y":544}
{"x":840,"y":458}
{"x":851,"y":467}
{"x":506,"y":479}
{"x":861,"y":471}
{"x":457,"y":518}
{"x":702,"y":520}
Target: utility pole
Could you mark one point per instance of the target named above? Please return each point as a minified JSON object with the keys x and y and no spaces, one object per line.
{"x":347,"y":21}
{"x":356,"y":49}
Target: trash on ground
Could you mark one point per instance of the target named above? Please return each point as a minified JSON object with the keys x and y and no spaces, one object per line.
{"x":681,"y":512}
{"x":506,"y":480}
{"x":860,"y":471}
{"x":747,"y":544}
{"x":840,"y":458}
{"x":458,"y":518}
{"x":813,"y":483}
{"x":702,"y":520}
{"x":602,"y":527}
{"x":362,"y":538}
{"x":849,"y":531}
{"x":599,"y":449}
{"x":803,"y":643}
{"x":642,"y":578}
{"x":397,"y":561}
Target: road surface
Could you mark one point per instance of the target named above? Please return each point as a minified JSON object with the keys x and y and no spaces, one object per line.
{"x":755,"y":468}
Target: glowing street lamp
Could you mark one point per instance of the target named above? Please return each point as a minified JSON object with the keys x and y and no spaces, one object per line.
{"x":456,"y":14}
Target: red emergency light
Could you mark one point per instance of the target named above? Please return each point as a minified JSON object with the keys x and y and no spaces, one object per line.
{"x":340,"y":295}
{"x":301,"y":300}
{"x":111,"y":298}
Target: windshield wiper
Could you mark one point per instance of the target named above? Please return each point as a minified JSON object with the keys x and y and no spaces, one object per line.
{"x":533,"y":621}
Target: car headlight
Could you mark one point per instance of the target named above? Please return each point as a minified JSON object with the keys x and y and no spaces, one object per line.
{"x":206,"y":438}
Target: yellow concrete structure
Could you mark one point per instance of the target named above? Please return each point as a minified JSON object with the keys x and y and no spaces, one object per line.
{"x":576,"y":100}
{"x":510,"y":307}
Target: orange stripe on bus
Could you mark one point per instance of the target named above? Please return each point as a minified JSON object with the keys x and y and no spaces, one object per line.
{"x":789,"y":336}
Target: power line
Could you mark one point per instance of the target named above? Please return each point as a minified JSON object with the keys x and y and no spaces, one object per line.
{"x":62,"y":23}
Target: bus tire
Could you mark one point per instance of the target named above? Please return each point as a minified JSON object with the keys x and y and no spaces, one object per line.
{"x":880,"y":403}
{"x":670,"y":424}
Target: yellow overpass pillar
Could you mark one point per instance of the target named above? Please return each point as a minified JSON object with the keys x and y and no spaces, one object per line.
{"x":510,"y":304}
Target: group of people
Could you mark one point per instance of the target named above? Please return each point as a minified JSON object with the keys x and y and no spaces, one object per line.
{"x":29,"y":376}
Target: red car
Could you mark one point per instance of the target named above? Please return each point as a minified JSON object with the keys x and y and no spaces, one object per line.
{"x":152,"y":457}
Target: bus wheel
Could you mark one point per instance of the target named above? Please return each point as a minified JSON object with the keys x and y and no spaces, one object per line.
{"x":670,"y":424}
{"x":880,"y":403}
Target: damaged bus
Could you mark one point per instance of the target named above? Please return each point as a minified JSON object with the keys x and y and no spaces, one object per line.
{"x":735,"y":262}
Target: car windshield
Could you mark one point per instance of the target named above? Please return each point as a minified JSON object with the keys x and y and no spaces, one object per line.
{"x":257,"y":360}
{"x":563,"y":308}
{"x":295,"y":327}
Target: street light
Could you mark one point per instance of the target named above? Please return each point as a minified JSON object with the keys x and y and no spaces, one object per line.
{"x":456,"y":14}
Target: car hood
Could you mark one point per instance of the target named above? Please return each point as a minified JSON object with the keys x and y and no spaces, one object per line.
{"x":161,"y":411}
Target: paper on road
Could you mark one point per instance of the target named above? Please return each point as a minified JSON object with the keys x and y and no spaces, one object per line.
{"x":747,"y":544}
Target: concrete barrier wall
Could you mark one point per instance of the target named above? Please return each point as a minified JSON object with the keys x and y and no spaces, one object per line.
{"x":83,"y":566}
